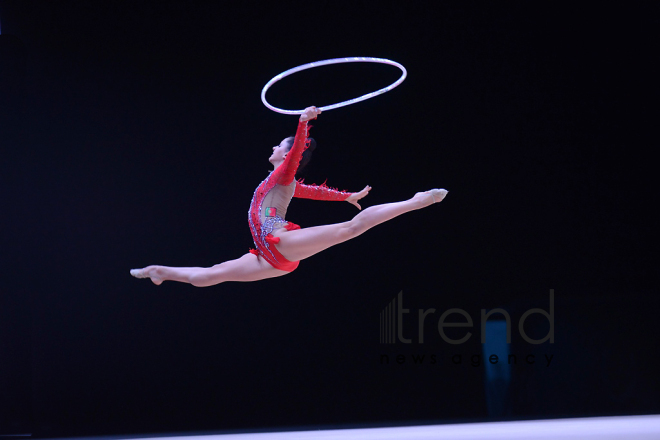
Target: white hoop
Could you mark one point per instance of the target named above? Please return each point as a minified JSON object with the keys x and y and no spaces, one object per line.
{"x":333,"y":61}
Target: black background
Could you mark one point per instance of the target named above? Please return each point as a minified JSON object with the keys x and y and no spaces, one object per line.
{"x":132,"y":134}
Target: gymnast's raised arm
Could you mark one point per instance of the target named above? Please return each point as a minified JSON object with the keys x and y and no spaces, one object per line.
{"x":315,"y":192}
{"x":287,"y":170}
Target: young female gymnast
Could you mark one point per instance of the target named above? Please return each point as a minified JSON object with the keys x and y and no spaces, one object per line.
{"x":280,"y":244}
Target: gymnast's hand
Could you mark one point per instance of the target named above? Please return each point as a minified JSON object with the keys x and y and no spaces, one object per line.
{"x":310,"y":113}
{"x":353,"y":198}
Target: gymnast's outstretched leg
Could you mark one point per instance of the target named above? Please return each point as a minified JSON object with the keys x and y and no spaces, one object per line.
{"x":303,"y":243}
{"x":294,"y":246}
{"x":247,"y":268}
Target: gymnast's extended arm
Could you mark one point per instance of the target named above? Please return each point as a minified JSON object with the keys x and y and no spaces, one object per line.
{"x":323,"y":192}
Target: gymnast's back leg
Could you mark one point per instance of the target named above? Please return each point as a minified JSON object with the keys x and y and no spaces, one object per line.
{"x":247,"y":268}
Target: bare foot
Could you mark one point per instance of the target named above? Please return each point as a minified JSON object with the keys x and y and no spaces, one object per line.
{"x":430,"y":197}
{"x":148,"y":272}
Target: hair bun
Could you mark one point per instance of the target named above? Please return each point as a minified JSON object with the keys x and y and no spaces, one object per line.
{"x":312,"y":144}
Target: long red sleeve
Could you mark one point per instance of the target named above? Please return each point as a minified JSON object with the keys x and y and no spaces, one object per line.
{"x":289,"y":167}
{"x":319,"y":192}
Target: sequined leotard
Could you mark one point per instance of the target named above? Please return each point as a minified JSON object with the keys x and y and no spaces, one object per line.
{"x":271,"y":200}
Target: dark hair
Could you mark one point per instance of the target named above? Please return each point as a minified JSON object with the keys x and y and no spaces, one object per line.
{"x":307,"y":154}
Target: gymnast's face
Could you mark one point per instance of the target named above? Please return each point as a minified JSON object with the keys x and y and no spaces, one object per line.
{"x":280,"y":151}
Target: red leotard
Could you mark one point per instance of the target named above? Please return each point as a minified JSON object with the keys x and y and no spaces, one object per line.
{"x":276,"y":192}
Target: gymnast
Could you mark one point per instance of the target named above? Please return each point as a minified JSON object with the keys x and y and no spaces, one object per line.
{"x":280,"y":244}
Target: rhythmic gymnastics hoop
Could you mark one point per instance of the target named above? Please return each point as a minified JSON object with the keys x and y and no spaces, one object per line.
{"x":333,"y":61}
